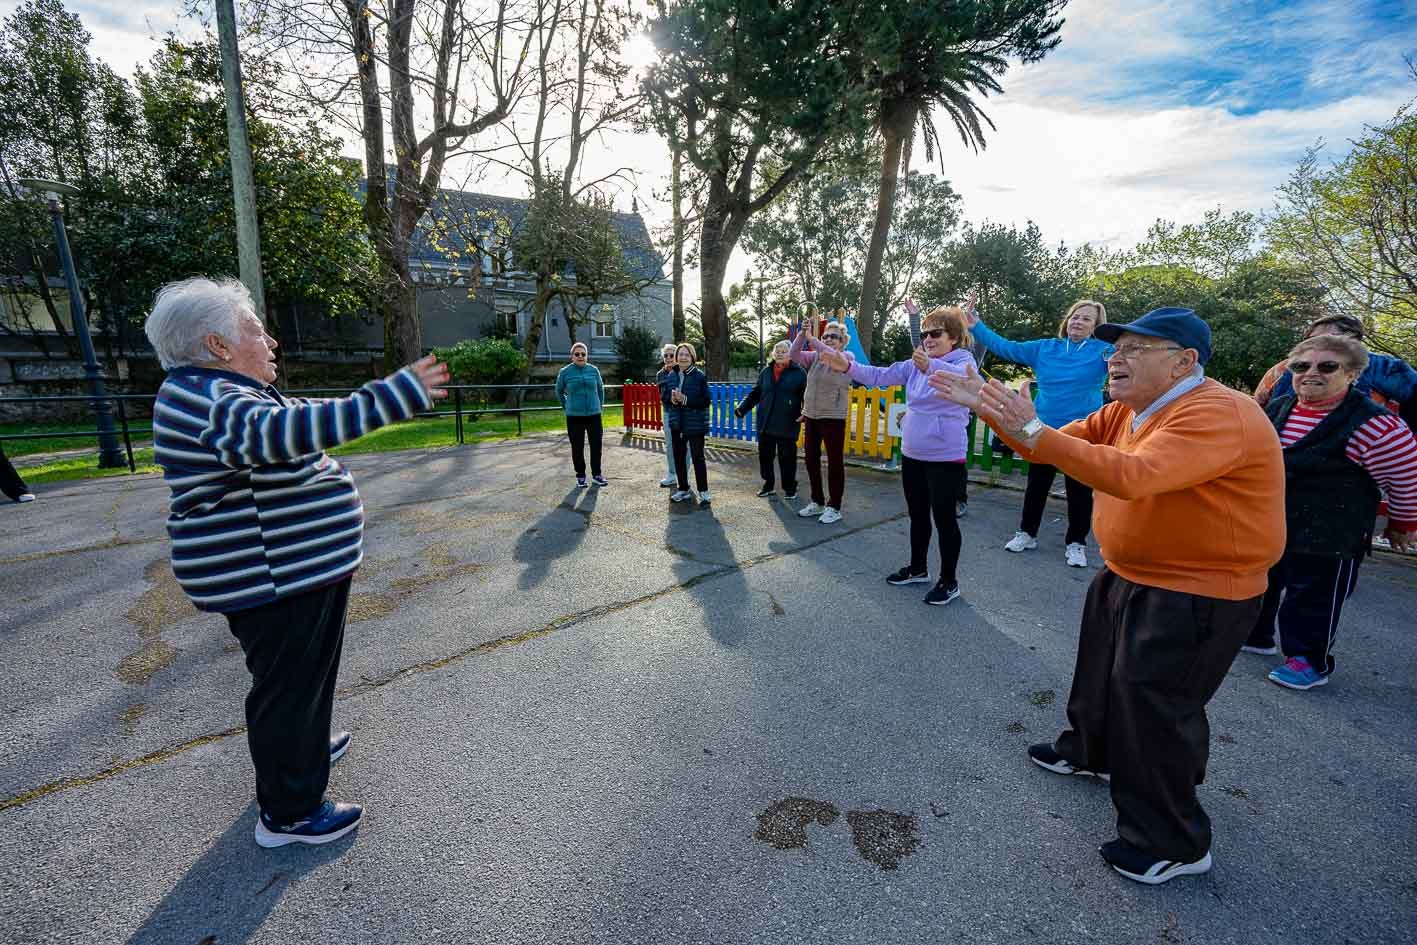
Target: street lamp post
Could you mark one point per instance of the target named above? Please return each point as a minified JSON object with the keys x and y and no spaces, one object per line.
{"x":110,"y":454}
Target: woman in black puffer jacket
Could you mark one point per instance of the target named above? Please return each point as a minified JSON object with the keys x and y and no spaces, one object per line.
{"x":778,"y":398}
{"x":688,"y":423}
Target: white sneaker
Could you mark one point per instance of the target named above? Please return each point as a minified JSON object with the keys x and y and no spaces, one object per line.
{"x":25,"y":497}
{"x":668,"y":482}
{"x":1076,"y":555}
{"x":810,"y":509}
{"x":830,"y":515}
{"x":1022,"y":541}
{"x":679,"y":495}
{"x":705,"y":498}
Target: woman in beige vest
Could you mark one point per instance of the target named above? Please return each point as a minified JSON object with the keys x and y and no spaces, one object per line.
{"x":824,"y":405}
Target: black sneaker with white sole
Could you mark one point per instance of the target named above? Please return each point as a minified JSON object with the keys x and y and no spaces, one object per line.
{"x":325,"y":824}
{"x":1142,"y":867}
{"x":766,"y":491}
{"x":1046,"y":756}
{"x":907,"y":576}
{"x":942,"y":593}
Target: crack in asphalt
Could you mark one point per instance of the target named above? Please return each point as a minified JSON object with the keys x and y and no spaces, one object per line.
{"x":417,"y":669}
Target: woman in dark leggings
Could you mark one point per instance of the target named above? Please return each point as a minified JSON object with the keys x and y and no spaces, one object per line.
{"x":1070,"y":370}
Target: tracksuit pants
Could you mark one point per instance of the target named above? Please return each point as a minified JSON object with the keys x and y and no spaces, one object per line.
{"x":1305,"y":601}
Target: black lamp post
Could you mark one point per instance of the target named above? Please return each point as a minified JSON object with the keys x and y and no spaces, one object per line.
{"x":110,"y":454}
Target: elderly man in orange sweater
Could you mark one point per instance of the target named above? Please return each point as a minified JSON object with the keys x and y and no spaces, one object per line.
{"x":1189,"y":515}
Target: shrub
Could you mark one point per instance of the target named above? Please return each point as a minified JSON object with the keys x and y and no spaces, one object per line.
{"x":638,"y":349}
{"x":484,"y":361}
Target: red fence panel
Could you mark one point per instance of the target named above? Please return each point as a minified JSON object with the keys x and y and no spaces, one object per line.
{"x":642,"y":407}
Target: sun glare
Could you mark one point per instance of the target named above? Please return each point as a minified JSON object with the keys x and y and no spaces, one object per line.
{"x":640,"y":52}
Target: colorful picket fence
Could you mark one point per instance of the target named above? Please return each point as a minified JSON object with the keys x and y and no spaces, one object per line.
{"x":865,"y":429}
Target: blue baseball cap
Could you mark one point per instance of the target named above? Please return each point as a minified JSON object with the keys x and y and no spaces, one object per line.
{"x":1180,"y":325}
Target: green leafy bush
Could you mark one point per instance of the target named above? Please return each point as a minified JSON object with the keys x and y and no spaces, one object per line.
{"x":484,"y":361}
{"x":638,"y":349}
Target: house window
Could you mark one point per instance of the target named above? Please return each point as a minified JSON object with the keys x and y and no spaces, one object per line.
{"x":603,"y":329}
{"x":507,"y":321}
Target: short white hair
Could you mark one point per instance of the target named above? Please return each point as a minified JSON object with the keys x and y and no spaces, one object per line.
{"x":781,"y":344}
{"x":185,"y":312}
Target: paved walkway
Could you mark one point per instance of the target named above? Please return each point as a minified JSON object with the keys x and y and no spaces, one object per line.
{"x":596,"y":717}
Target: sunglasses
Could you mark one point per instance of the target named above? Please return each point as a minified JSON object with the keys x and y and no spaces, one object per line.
{"x":831,"y":336}
{"x":577,"y":354}
{"x":933,"y":333}
{"x":1325,"y":367}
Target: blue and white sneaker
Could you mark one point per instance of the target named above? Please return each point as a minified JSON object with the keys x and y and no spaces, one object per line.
{"x":1296,"y":673}
{"x":339,"y":744}
{"x":580,"y":482}
{"x":327,"y":823}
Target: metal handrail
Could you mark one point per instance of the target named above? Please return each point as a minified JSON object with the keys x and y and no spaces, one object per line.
{"x":456,"y":391}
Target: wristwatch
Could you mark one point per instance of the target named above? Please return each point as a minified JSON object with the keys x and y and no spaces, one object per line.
{"x":1031,"y":428}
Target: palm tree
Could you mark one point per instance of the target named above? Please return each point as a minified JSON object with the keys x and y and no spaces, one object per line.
{"x":918,"y":57}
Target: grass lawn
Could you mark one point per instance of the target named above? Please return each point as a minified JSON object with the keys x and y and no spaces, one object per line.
{"x":412,"y":434}
{"x":138,"y":429}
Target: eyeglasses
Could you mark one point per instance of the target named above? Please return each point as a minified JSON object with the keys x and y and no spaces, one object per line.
{"x":1324,"y":367}
{"x":668,"y":356}
{"x":577,"y":354}
{"x":933,"y":333}
{"x":1132,"y":352}
{"x":831,"y":336}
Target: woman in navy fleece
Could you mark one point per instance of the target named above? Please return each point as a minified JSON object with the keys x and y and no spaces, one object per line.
{"x":932,"y":443}
{"x":1070,"y":371}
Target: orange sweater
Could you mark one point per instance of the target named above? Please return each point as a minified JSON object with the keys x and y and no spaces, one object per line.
{"x":1193,"y":501}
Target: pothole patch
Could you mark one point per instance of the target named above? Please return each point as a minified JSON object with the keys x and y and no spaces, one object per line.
{"x":883,"y":837}
{"x":784,"y":824}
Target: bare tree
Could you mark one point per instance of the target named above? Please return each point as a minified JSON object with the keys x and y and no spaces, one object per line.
{"x":418,"y":81}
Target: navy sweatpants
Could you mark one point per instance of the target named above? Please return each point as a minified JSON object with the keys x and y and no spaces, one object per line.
{"x":1305,"y":600}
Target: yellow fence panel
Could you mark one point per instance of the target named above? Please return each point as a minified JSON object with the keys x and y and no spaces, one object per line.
{"x":866,"y":417}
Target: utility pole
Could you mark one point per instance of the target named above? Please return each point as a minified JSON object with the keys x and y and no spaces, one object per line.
{"x":243,"y":184}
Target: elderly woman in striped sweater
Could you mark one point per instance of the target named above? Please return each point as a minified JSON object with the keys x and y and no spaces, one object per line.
{"x":1339,"y":448}
{"x":267,"y":530}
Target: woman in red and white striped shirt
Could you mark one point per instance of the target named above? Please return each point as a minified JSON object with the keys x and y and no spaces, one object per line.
{"x":1342,"y":452}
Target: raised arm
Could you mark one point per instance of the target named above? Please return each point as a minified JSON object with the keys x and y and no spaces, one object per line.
{"x":244,"y":429}
{"x":798,"y":353}
{"x":1019,"y":352}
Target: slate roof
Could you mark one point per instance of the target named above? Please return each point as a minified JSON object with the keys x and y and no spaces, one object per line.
{"x":641,"y":259}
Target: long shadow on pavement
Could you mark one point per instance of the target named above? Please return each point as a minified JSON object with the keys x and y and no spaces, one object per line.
{"x":555,"y":535}
{"x":699,"y":537}
{"x":230,"y":891}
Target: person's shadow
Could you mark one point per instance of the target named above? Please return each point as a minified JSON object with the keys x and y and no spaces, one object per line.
{"x":555,"y":535}
{"x":228,"y":893}
{"x":698,"y":538}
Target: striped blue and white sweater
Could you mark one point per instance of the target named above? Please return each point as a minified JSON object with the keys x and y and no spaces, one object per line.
{"x":258,"y":511}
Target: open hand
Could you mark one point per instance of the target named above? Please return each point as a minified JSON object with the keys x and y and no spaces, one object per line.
{"x":1401,"y":541}
{"x":971,"y":317}
{"x":1007,"y":409}
{"x":836,"y":360}
{"x":960,"y":389}
{"x":921,"y":360}
{"x":432,"y":374}
{"x":910,"y":305}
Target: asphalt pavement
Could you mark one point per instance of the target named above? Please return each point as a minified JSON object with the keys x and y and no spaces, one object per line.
{"x":597,"y":717}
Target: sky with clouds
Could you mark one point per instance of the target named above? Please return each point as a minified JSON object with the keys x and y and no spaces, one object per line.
{"x":1147,"y":109}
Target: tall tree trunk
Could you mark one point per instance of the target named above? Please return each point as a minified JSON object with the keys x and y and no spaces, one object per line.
{"x":714,"y":250}
{"x":398,"y":298}
{"x":897,"y":121}
{"x":678,"y":271}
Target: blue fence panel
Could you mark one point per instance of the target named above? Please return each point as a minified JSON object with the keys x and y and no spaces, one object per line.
{"x":722,"y":421}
